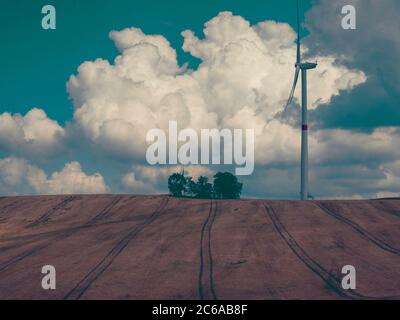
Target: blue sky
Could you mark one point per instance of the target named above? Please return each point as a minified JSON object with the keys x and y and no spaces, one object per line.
{"x":82,"y":34}
{"x":64,"y":130}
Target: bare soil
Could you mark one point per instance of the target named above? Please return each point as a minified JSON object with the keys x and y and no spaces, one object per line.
{"x":156,"y":247}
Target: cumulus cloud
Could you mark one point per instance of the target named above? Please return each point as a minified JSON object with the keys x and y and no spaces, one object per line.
{"x":344,"y":147}
{"x":327,"y":181}
{"x":71,"y":179}
{"x":33,"y":134}
{"x":391,"y":179}
{"x":246,"y":71}
{"x":130,"y":182}
{"x":19,"y":176}
{"x":384,"y":195}
{"x":253,"y":66}
{"x":373,"y":47}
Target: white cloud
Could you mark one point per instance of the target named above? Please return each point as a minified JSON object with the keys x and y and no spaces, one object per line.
{"x":327,"y":181}
{"x":19,"y":176}
{"x":130,"y":182}
{"x":33,"y":134}
{"x":345,"y":146}
{"x":391,"y":181}
{"x":72,"y":180}
{"x":381,"y":195}
{"x":245,"y":69}
{"x":253,"y":66}
{"x":374,"y":45}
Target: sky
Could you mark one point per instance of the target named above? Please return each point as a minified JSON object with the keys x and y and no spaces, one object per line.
{"x":76,"y":102}
{"x":82,"y":34}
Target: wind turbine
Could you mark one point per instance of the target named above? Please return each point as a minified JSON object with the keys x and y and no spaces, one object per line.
{"x":303,"y":67}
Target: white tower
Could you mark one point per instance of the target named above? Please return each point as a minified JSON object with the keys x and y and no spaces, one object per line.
{"x":303,"y":66}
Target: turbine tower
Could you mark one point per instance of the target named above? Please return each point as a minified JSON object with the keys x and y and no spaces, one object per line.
{"x":303,"y":67}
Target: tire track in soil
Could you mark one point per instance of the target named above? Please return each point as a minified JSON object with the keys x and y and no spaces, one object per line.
{"x":383,"y":207}
{"x":105,"y":213}
{"x":206,"y":283}
{"x":14,"y":205}
{"x":333,"y":282}
{"x":79,"y":290}
{"x":30,"y":238}
{"x":1,"y":200}
{"x":360,"y":230}
{"x":48,"y":234}
{"x":47,"y":215}
{"x":59,"y":236}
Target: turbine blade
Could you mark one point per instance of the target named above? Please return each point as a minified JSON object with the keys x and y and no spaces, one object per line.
{"x":296,"y":78}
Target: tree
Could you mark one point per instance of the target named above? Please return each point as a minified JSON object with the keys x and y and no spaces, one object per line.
{"x":190,"y":186}
{"x":202,"y":189}
{"x":227,"y":186}
{"x":177,"y":184}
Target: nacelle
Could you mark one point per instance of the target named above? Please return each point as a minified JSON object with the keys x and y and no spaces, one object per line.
{"x":308,"y":65}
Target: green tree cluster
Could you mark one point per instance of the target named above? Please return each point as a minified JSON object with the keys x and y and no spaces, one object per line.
{"x":225,"y":186}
